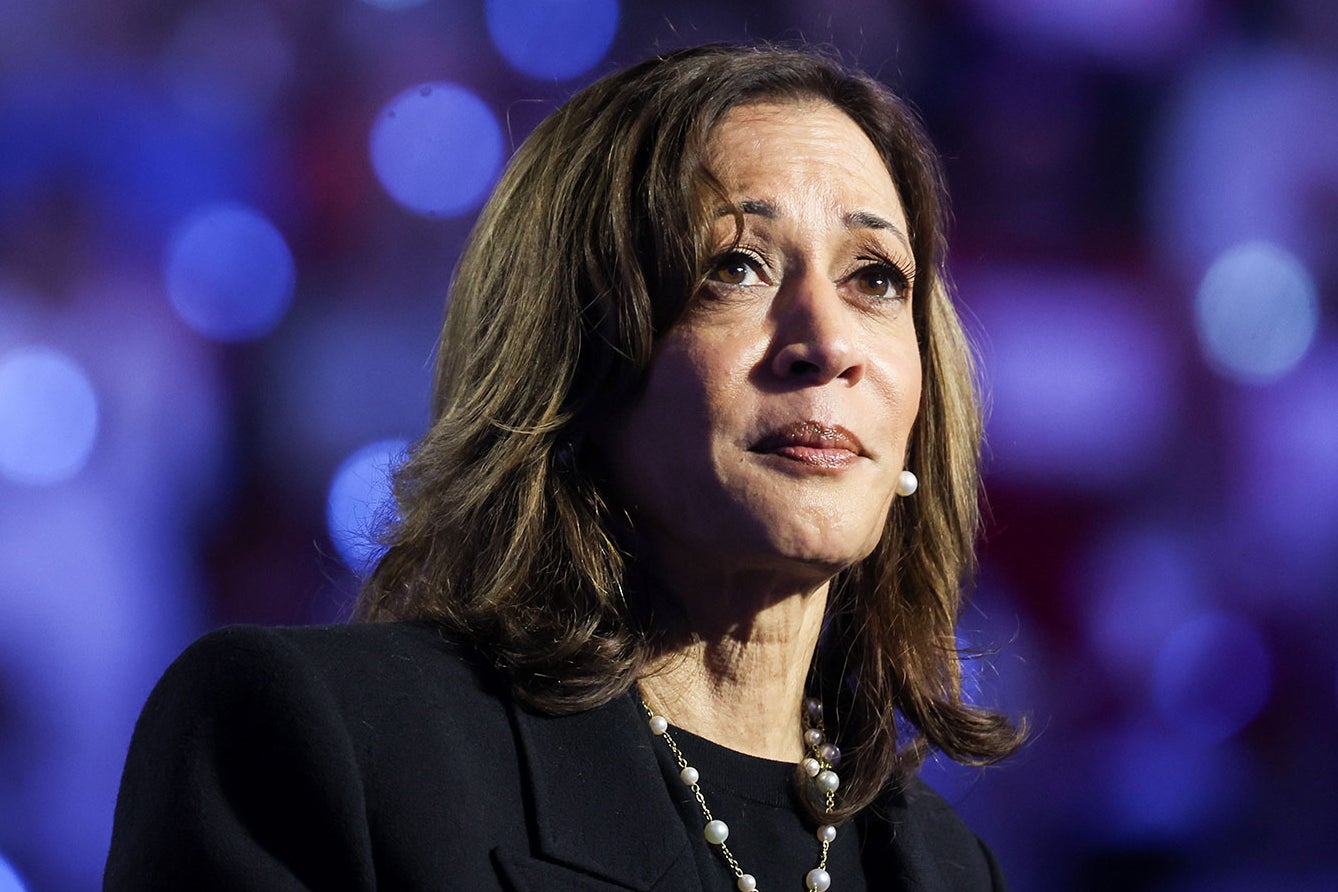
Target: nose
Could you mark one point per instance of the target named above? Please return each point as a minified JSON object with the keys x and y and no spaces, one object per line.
{"x":816,"y":338}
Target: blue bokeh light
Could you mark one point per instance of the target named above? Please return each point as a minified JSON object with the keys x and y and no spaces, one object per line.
{"x":436,"y":148}
{"x":229,"y":273}
{"x":360,"y":504}
{"x":1256,"y":312}
{"x":1213,"y":675}
{"x":552,"y":38}
{"x":48,"y":416}
{"x":9,"y":878}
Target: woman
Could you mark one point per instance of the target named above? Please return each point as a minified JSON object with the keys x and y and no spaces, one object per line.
{"x":699,"y":348}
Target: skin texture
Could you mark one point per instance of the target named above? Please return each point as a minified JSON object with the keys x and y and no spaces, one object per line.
{"x":763,"y":456}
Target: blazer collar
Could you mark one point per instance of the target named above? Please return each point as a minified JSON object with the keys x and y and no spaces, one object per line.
{"x":600,"y":800}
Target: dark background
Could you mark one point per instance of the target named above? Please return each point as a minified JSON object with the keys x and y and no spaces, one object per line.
{"x":226,"y":233}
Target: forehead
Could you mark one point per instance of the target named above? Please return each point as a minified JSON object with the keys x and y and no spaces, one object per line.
{"x":807,"y":152}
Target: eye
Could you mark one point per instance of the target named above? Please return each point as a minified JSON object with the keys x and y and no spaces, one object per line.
{"x":736,"y":269}
{"x":881,"y":280}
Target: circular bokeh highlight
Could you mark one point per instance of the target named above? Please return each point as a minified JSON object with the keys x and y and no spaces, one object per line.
{"x":552,"y":39}
{"x":48,"y":416}
{"x":229,"y":273}
{"x":436,"y":148}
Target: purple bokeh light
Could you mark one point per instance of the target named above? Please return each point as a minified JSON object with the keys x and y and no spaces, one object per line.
{"x":9,"y":878}
{"x":360,"y":505}
{"x":1246,"y":153}
{"x":436,"y":148}
{"x":99,"y":594}
{"x":1159,"y":787}
{"x":556,"y":39}
{"x":1282,"y":492}
{"x":229,"y":273}
{"x":1256,"y":312}
{"x":1132,"y":32}
{"x":48,"y":416}
{"x":1142,"y":584}
{"x":1213,"y":675}
{"x":1082,"y":385}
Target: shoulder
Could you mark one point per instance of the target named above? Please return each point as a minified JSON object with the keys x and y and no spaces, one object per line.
{"x":414,"y":657}
{"x":936,"y":817}
{"x":366,"y":644}
{"x":932,"y":838}
{"x":262,"y":752}
{"x":371,"y":681}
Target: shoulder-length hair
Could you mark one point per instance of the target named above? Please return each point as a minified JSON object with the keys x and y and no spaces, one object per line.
{"x":587,"y":252}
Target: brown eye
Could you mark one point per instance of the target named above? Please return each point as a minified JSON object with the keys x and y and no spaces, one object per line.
{"x":735,"y":269}
{"x":880,"y":280}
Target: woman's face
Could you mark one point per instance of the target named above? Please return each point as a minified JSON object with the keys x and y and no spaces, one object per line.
{"x":775,"y":417}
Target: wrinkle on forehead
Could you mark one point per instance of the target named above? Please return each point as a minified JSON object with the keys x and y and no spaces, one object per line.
{"x":833,"y":172}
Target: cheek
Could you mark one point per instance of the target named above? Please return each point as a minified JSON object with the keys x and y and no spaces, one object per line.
{"x":709,"y":374}
{"x":914,"y":387}
{"x":662,"y":431}
{"x":901,"y":381}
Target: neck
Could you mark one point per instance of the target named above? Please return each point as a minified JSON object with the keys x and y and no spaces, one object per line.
{"x":738,"y":677}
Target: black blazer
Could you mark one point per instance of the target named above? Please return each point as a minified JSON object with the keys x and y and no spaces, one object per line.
{"x":380,"y":756}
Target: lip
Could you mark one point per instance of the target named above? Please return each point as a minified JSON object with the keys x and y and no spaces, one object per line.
{"x":813,"y":444}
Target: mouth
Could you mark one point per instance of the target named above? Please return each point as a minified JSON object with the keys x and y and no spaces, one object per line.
{"x":813,"y":444}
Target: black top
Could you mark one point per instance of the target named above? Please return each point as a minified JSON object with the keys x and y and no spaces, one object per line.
{"x":387,"y":757}
{"x":768,"y":833}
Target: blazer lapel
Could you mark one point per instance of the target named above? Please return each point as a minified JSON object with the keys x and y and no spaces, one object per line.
{"x":600,"y":801}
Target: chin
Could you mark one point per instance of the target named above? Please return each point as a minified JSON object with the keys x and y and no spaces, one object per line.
{"x":821,"y":557}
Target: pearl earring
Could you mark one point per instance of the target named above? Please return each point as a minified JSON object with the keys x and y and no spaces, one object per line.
{"x":907,"y":484}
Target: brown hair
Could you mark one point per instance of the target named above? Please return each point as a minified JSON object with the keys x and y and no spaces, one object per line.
{"x":587,"y":251}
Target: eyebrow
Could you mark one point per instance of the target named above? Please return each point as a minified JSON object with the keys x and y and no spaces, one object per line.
{"x":855,"y":220}
{"x":756,"y":206}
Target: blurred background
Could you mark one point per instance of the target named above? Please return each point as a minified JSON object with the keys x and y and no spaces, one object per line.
{"x":227,"y":228}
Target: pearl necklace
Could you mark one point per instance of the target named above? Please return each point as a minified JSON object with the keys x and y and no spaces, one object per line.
{"x":818,"y":765}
